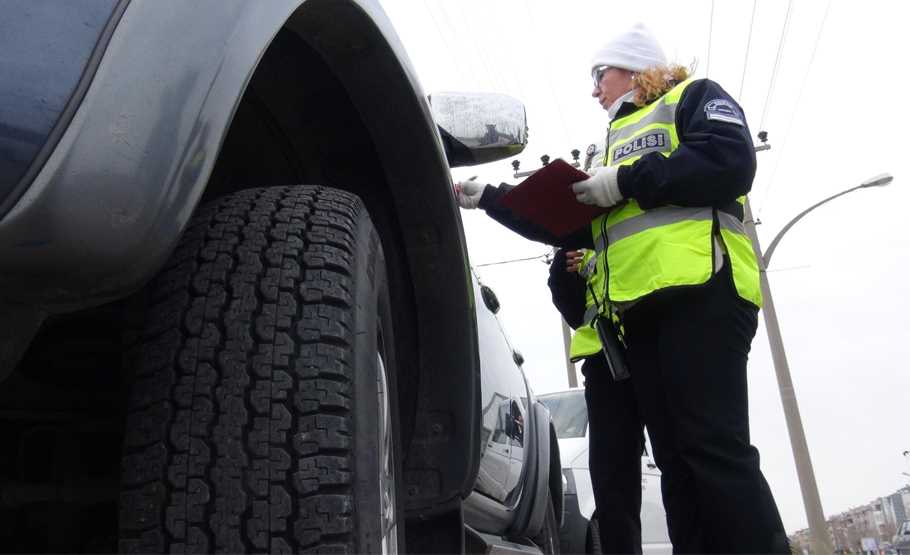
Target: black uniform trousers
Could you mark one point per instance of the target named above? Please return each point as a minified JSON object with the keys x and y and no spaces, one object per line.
{"x":615,"y":445}
{"x":687,"y":353}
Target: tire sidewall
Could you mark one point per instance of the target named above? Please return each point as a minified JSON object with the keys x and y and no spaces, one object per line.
{"x":373,"y":334}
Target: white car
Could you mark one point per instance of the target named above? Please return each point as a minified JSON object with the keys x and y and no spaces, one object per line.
{"x":579,"y":534}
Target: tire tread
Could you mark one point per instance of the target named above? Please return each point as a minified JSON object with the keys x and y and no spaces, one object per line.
{"x":239,"y":430}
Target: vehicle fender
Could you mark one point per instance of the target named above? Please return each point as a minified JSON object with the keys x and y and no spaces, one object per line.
{"x":110,"y":202}
{"x":531,"y":511}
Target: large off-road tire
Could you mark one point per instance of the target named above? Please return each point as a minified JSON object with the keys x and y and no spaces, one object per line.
{"x":263,"y":410}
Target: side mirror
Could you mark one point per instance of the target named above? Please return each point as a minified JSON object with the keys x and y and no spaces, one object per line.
{"x":478,"y":128}
{"x":489,"y":299}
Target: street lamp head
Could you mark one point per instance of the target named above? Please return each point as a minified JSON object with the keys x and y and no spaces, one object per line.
{"x":879,"y":180}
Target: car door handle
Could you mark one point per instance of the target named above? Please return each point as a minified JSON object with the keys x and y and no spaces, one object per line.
{"x":651,"y":465}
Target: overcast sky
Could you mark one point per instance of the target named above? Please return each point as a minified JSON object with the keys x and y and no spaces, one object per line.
{"x":835,"y":115}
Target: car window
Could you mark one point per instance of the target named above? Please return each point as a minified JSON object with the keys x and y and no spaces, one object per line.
{"x":570,"y":416}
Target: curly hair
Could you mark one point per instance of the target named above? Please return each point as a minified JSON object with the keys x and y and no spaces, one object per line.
{"x":654,"y":82}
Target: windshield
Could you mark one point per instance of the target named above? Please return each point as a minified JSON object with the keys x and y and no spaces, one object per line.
{"x":570,"y":416}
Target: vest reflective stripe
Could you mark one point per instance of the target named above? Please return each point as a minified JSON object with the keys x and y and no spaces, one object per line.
{"x":663,"y":216}
{"x":661,"y":113}
{"x":658,"y":217}
{"x":590,"y":313}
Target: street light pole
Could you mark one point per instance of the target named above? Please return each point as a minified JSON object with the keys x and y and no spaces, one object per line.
{"x":821,"y":541}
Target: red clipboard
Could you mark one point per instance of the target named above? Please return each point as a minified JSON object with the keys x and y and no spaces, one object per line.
{"x":546,"y":199}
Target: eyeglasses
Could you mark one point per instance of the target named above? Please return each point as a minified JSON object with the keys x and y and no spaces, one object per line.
{"x":597,"y":74}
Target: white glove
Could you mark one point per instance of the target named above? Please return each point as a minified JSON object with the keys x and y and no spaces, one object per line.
{"x":601,"y":189}
{"x":468,"y":193}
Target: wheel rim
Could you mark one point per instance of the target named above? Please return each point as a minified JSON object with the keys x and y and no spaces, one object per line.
{"x":389,"y":515}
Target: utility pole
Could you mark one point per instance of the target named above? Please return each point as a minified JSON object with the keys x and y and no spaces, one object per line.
{"x":567,"y":345}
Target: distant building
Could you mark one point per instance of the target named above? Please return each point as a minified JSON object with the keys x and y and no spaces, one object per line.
{"x":878,"y":520}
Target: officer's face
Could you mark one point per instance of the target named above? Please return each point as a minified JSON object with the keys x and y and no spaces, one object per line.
{"x":613,"y":83}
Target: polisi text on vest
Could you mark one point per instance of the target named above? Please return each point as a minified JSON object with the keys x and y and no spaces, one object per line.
{"x":654,"y":140}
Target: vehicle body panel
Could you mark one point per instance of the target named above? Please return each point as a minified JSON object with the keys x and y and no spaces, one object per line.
{"x":83,"y":233}
{"x":503,"y":461}
{"x":45,"y":48}
{"x":86,"y":232}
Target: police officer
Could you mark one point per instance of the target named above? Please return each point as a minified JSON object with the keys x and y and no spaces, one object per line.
{"x":615,"y":433}
{"x":671,"y":261}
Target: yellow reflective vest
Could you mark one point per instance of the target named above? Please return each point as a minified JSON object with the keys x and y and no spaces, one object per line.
{"x":637,"y":251}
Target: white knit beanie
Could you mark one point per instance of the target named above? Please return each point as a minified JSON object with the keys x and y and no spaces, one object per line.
{"x":634,"y":50}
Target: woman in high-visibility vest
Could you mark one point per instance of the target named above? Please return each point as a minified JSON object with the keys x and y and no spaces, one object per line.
{"x":669,"y":261}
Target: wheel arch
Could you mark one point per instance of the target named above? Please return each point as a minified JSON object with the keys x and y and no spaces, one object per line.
{"x":333,"y":101}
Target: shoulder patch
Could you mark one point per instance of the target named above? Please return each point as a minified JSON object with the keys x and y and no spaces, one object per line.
{"x":723,"y":110}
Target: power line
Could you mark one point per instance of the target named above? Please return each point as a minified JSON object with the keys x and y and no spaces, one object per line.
{"x":538,"y":257}
{"x":789,"y":269}
{"x":546,"y":72}
{"x":710,"y":34}
{"x":510,"y":74}
{"x":799,"y":98}
{"x":493,"y":76}
{"x":780,"y":51}
{"x":445,"y":41}
{"x":739,"y":96}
